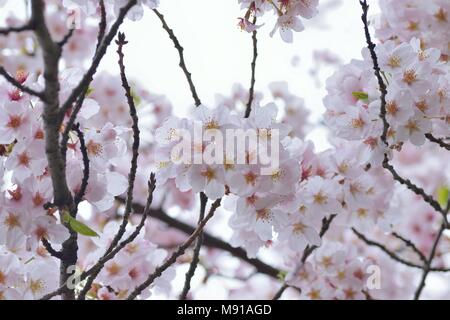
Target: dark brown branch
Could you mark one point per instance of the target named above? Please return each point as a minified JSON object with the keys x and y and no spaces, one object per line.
{"x":136,"y":140}
{"x":48,"y":246}
{"x":393,"y":255}
{"x":383,"y":90}
{"x":208,"y":239}
{"x":88,"y":76}
{"x":417,"y":190}
{"x":26,"y":27}
{"x":180,"y":50}
{"x":196,"y":253}
{"x":411,"y":245}
{"x":439,"y":141}
{"x":20,"y":86}
{"x":95,"y":270}
{"x":427,"y":267}
{"x":197,"y":101}
{"x":70,"y":123}
{"x":173,"y":258}
{"x":377,"y":71}
{"x":102,"y":24}
{"x":84,"y":182}
{"x":121,"y":41}
{"x":61,"y":193}
{"x":253,"y":68}
{"x":66,"y":38}
{"x":326,"y":223}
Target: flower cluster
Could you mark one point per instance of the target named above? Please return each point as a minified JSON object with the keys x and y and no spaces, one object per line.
{"x":406,"y":19}
{"x":288,"y":14}
{"x":291,"y":199}
{"x":416,"y":103}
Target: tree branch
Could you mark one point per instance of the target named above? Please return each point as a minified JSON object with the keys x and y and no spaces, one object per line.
{"x":411,"y":245}
{"x":121,"y":41}
{"x":88,"y":76}
{"x":180,"y":50}
{"x":196,"y":253}
{"x":47,"y":245}
{"x":180,"y":251}
{"x":20,"y":86}
{"x":61,"y":193}
{"x":393,"y":255}
{"x":84,"y":182}
{"x":66,"y":38}
{"x":326,"y":223}
{"x":208,"y":239}
{"x":439,"y":141}
{"x":253,"y":68}
{"x":95,"y":270}
{"x":427,"y":265}
{"x":102,"y":24}
{"x":26,"y":27}
{"x":383,"y":90}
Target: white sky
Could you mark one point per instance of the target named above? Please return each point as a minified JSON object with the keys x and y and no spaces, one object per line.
{"x":218,"y":54}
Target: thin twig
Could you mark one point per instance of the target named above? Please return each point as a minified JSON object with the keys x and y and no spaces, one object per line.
{"x":100,"y":264}
{"x":121,"y":41}
{"x":383,"y":90}
{"x":411,"y":245}
{"x":392,"y":254}
{"x":417,"y":190}
{"x":180,"y":50}
{"x":102,"y":24}
{"x":20,"y":86}
{"x":439,"y":141}
{"x":326,"y":223}
{"x":208,"y":239}
{"x":253,"y":68}
{"x":26,"y":27}
{"x":88,"y":76}
{"x":427,"y":266}
{"x":173,"y":258}
{"x":66,"y":38}
{"x":196,"y":253}
{"x":48,"y":246}
{"x":95,"y":269}
{"x":62,"y":197}
{"x":85,"y":180}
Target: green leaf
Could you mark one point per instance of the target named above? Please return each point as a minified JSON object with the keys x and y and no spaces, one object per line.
{"x":78,"y":226}
{"x":364,"y":96}
{"x":137,"y":100}
{"x":442,"y":196}
{"x":282,"y":275}
{"x":89,"y":91}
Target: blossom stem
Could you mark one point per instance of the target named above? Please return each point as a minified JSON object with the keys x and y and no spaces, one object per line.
{"x":180,"y":251}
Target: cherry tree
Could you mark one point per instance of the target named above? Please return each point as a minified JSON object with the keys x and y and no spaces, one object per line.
{"x":92,"y":164}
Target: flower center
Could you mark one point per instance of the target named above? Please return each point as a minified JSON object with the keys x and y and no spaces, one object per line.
{"x":392,"y":108}
{"x":394,"y":61}
{"x":422,"y":105}
{"x":14,"y":122}
{"x":12,"y":221}
{"x":94,"y":148}
{"x":250,"y":178}
{"x":320,"y":198}
{"x":24,"y":159}
{"x":209,"y":174}
{"x":36,"y":286}
{"x":409,"y":76}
